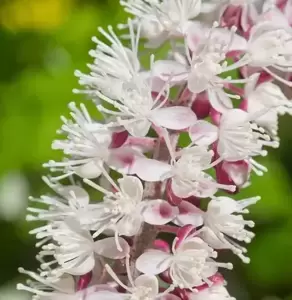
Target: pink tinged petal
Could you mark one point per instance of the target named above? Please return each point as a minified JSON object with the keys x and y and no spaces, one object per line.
{"x":108,"y":248}
{"x":203,"y":133}
{"x":149,"y":169}
{"x":132,"y":187}
{"x":84,"y":281}
{"x":189,"y":215}
{"x":118,"y":139}
{"x":195,"y":33}
{"x":121,"y":159}
{"x":171,"y":197}
{"x":183,"y":233}
{"x":153,"y":262}
{"x":148,"y":281}
{"x":175,"y":118}
{"x":74,"y":192}
{"x":215,"y":116}
{"x":170,"y":71}
{"x":201,"y":105}
{"x":90,"y":170}
{"x":219,"y":100}
{"x":130,"y":225}
{"x":238,"y":172}
{"x":159,"y":212}
{"x":161,"y":245}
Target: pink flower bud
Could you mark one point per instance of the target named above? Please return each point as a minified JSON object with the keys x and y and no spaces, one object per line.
{"x":201,"y":105}
{"x":118,"y":139}
{"x":84,"y":281}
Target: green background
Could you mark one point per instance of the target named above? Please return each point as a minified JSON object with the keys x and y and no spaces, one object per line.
{"x":42,"y":43}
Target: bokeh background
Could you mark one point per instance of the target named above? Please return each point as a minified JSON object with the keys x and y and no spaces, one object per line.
{"x":42,"y":42}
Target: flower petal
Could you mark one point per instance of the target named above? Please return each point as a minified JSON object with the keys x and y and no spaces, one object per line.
{"x":159,"y":212}
{"x":203,"y":133}
{"x":130,"y":224}
{"x":148,"y":281}
{"x":153,"y":262}
{"x":219,"y":100}
{"x":108,"y":248}
{"x":150,"y":170}
{"x":132,"y":187}
{"x":139,"y":128}
{"x":75,"y":192}
{"x":189,"y":214}
{"x":171,"y":71}
{"x":104,"y":295}
{"x":82,"y":267}
{"x":223,"y":205}
{"x":175,"y":118}
{"x":90,"y":170}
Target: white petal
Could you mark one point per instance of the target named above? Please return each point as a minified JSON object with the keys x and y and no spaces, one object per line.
{"x":219,"y":100}
{"x":169,"y":70}
{"x":176,"y":117}
{"x":108,"y":248}
{"x":180,"y":189}
{"x":203,"y":133}
{"x":223,"y":205}
{"x":132,"y":187}
{"x":105,"y":295}
{"x":83,"y":267}
{"x":139,"y":128}
{"x":150,"y":170}
{"x":130,"y":224}
{"x":225,"y":35}
{"x":159,"y":212}
{"x":153,"y":262}
{"x":189,"y":214}
{"x":148,"y":281}
{"x":89,"y":170}
{"x":75,"y":192}
{"x":197,"y":84}
{"x":212,"y":240}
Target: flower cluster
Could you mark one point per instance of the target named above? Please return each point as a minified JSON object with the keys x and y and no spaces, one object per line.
{"x":182,"y":134}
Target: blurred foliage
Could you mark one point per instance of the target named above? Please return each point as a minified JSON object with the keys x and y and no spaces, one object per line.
{"x":42,"y":43}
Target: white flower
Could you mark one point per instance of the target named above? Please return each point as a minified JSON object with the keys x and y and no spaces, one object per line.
{"x":74,"y":249}
{"x":63,"y":288}
{"x":215,"y":292}
{"x":71,"y":202}
{"x":187,"y":172}
{"x":160,"y":20}
{"x":138,"y":110}
{"x":270,"y":45}
{"x":88,"y":146}
{"x":144,"y":287}
{"x":113,"y":64}
{"x":190,"y":264}
{"x":263,"y":96}
{"x":237,"y":138}
{"x":125,"y":210}
{"x":224,"y":223}
{"x":207,"y":63}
